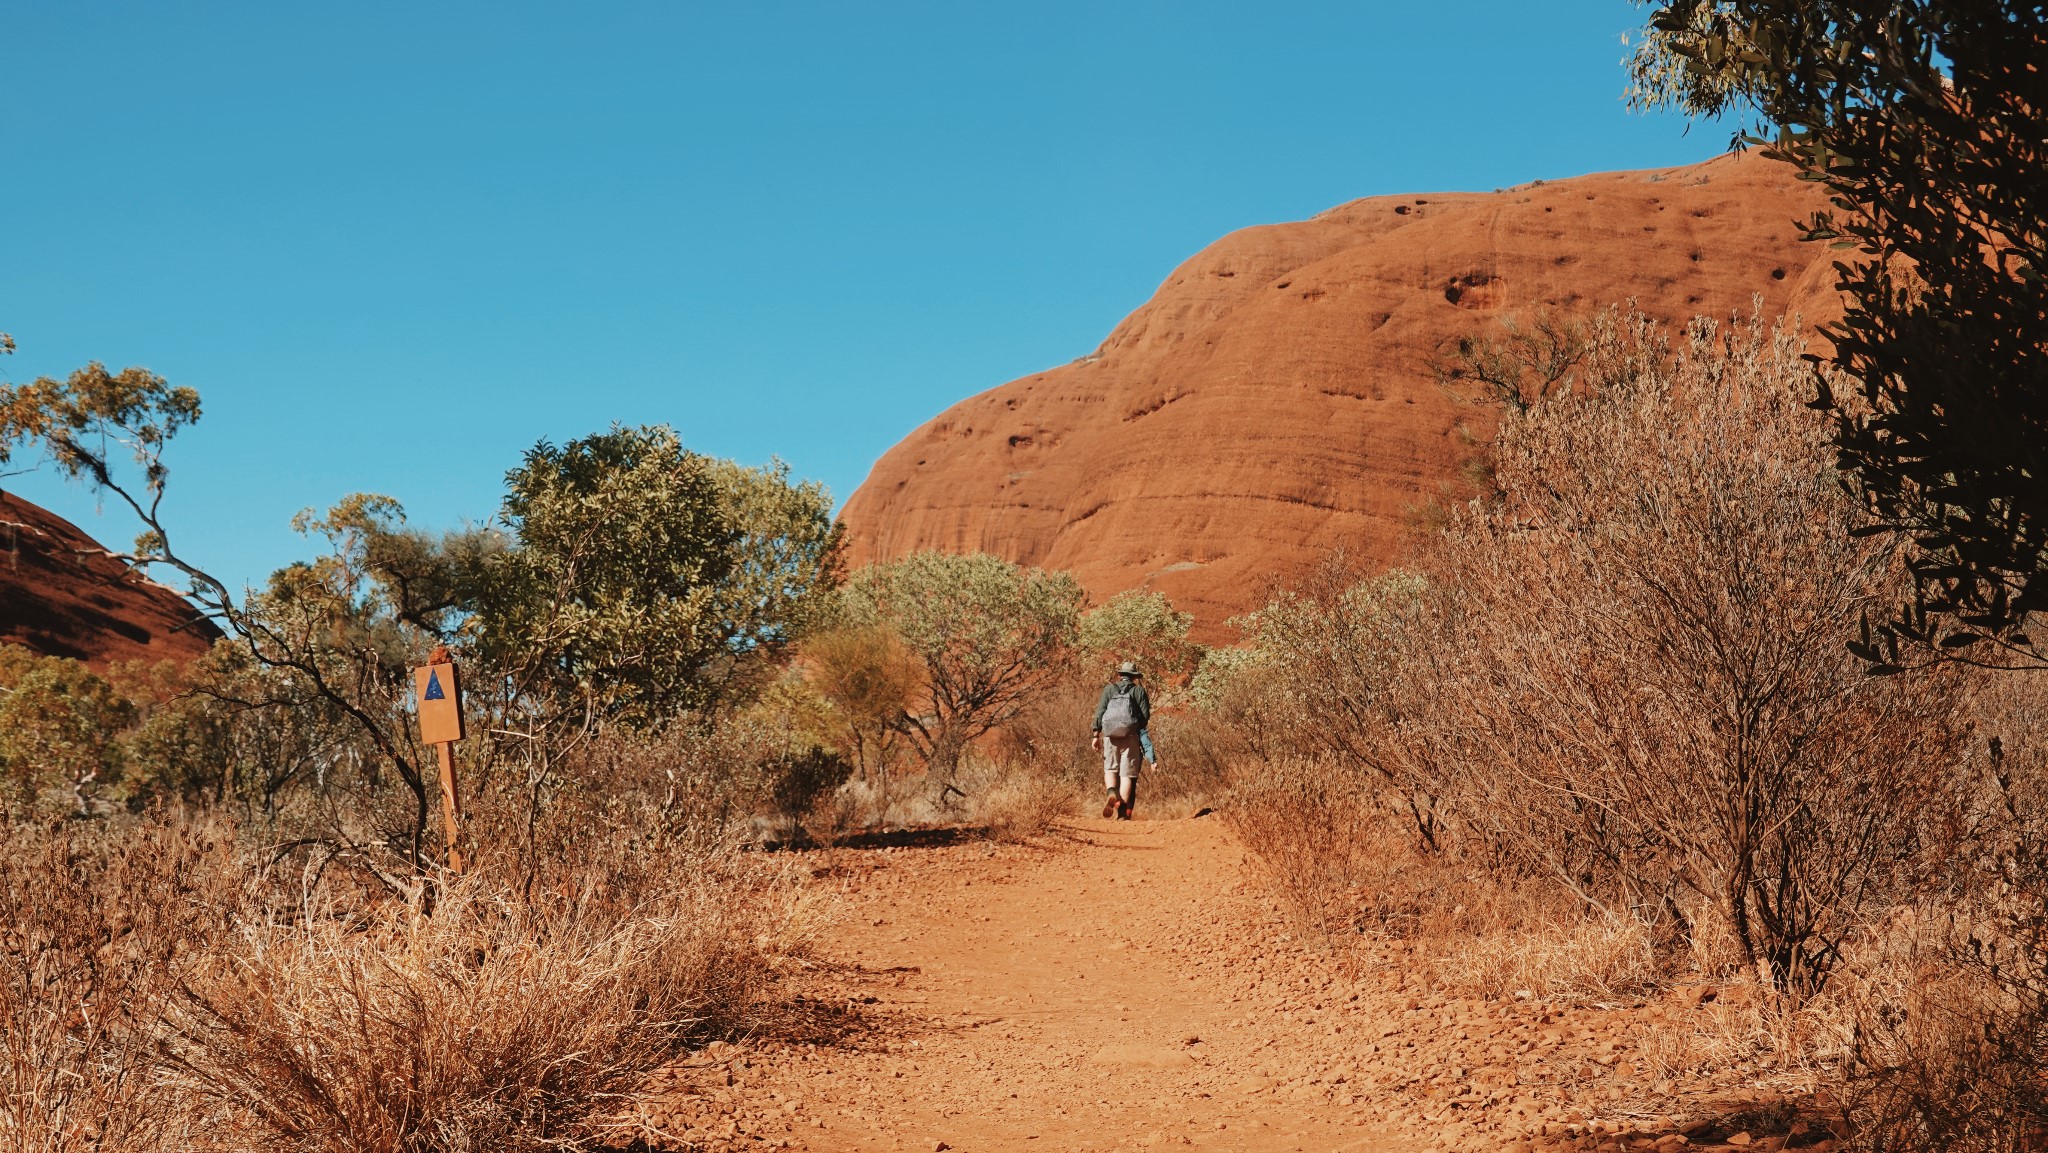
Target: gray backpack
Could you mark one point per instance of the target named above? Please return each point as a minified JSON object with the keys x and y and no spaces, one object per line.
{"x":1120,"y":716}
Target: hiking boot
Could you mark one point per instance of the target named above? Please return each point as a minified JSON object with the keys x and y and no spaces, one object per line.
{"x":1111,"y":808}
{"x":1123,"y":810}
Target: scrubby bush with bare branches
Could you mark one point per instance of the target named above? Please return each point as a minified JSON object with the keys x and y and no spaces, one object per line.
{"x":1333,"y":670}
{"x":1654,"y":702}
{"x":1948,"y":1000}
{"x":988,"y":636}
{"x":1624,"y":671}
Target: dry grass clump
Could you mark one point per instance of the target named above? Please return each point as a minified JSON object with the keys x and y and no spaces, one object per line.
{"x":94,"y":933}
{"x":1314,"y":840}
{"x":1588,"y":959}
{"x":159,"y":992}
{"x":1023,"y":806}
{"x":488,"y":1024}
{"x":1350,"y":869}
{"x":1946,"y":1055}
{"x":1747,"y":1034}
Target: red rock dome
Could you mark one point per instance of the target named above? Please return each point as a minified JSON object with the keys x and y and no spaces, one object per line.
{"x":1275,"y":398}
{"x":62,"y":595}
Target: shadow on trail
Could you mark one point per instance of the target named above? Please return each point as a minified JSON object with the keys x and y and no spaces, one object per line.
{"x":1732,"y":1125}
{"x":932,"y":838}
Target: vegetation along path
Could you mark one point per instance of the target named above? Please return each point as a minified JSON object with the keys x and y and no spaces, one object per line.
{"x":1127,"y":988}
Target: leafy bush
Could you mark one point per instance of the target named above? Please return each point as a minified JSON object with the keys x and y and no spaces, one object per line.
{"x":1143,"y":627}
{"x":646,"y":579}
{"x":988,"y":636}
{"x":60,"y":732}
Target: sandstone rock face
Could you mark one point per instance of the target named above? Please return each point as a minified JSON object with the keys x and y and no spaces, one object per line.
{"x":1276,"y":399}
{"x":62,"y":595}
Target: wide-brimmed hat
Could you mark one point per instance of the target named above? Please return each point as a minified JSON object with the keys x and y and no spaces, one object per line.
{"x":1128,"y":669}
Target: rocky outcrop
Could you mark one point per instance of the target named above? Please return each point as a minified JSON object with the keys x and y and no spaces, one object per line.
{"x":1276,"y":399}
{"x":62,"y":595}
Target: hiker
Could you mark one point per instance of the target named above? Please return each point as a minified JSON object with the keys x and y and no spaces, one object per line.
{"x":1121,"y":715}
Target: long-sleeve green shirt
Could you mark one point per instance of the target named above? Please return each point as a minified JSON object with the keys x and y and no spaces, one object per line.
{"x":1140,"y":702}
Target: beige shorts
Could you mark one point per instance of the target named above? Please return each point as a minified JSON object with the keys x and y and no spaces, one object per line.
{"x":1121,"y":756}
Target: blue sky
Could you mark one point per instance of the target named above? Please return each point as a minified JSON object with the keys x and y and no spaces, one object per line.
{"x":394,"y":245}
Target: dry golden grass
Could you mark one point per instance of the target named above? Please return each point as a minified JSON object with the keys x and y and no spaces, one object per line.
{"x":1021,"y":806}
{"x":1313,"y":838}
{"x":1749,"y":1032}
{"x":94,"y":933}
{"x":1353,"y":872}
{"x":1587,"y":959}
{"x":485,"y":1025}
{"x":158,"y":994}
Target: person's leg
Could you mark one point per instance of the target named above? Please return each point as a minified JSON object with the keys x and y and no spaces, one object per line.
{"x":1129,"y":758}
{"x":1109,"y":777}
{"x":1129,"y":785}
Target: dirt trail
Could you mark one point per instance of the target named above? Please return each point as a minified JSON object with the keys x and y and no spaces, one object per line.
{"x":1075,"y":1001}
{"x":1127,"y":988}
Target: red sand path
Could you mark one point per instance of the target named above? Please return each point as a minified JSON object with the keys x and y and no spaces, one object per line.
{"x":1126,"y":988}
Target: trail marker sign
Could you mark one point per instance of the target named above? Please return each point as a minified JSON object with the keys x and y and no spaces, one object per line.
{"x":439,"y":696}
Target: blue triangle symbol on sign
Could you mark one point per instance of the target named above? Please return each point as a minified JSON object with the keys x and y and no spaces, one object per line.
{"x":434,"y":692}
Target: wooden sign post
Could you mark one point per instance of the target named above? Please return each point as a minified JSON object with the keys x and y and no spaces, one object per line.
{"x":437,"y":692}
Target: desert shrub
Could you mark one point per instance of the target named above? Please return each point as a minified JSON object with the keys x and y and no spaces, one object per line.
{"x":1143,"y":627}
{"x":60,"y":733}
{"x":988,"y":635}
{"x":494,"y":1023}
{"x":799,"y":781}
{"x":1342,"y":855}
{"x":1311,"y":831}
{"x":1019,"y":802}
{"x":868,"y":677}
{"x":619,"y":802}
{"x":1049,"y":734}
{"x":1648,"y":694}
{"x":1622,"y":672}
{"x":631,"y":582}
{"x":96,"y":930}
{"x":1342,"y":667}
{"x":1232,"y":709}
{"x":1948,"y":1040}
